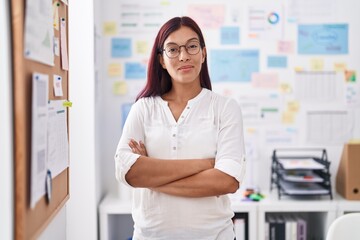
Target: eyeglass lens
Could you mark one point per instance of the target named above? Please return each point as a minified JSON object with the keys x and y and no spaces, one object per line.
{"x":173,"y":50}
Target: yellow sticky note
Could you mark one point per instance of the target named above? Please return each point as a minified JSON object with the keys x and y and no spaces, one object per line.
{"x":120,"y":88}
{"x":288,"y":117}
{"x":293,"y":106}
{"x":339,"y":67}
{"x":299,"y":69}
{"x":114,"y":69}
{"x":67,"y":104}
{"x":142,"y":47}
{"x":317,"y":64}
{"x":285,"y":88}
{"x":109,"y":28}
{"x":354,"y":141}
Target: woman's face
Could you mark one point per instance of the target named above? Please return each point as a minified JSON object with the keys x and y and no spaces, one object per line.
{"x":184,"y":68}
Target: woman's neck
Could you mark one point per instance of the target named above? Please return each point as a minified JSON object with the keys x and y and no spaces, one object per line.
{"x":182,"y":93}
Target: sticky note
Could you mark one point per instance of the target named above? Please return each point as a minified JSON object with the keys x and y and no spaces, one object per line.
{"x":135,"y":70}
{"x":120,"y":47}
{"x":277,"y":61}
{"x":340,"y":67}
{"x":317,"y":64}
{"x":114,"y":70}
{"x":67,"y":104}
{"x":109,"y":28}
{"x":230,"y":35}
{"x":142,"y":47}
{"x":120,"y":88}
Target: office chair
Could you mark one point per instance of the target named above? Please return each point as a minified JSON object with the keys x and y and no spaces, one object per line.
{"x":345,"y":227}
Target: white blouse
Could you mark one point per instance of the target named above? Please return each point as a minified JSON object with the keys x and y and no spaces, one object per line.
{"x":209,"y":127}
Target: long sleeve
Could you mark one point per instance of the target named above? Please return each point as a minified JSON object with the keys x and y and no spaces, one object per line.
{"x":133,"y":129}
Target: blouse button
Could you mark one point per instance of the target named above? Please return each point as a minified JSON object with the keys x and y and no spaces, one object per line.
{"x":174,"y":135}
{"x":174,"y":148}
{"x":188,"y":108}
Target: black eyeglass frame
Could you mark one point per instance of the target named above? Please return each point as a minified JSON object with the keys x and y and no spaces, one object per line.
{"x":184,"y":45}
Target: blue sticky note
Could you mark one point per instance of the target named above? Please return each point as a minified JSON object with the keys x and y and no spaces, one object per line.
{"x":233,"y":65}
{"x":125,"y":109}
{"x":230,"y":35}
{"x":277,"y":61}
{"x":135,"y":70}
{"x":323,"y":39}
{"x":120,"y":47}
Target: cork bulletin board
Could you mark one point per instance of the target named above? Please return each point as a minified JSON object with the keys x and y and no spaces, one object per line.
{"x":31,"y":221}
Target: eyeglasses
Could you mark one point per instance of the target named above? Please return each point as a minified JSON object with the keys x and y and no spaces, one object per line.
{"x":172,"y":50}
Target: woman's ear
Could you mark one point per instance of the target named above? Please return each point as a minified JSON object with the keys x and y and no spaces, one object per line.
{"x":203,"y":54}
{"x":161,"y":60}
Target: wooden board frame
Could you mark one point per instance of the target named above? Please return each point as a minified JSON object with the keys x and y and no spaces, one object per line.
{"x":30,"y":222}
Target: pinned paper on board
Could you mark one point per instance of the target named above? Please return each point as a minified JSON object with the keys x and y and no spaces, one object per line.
{"x":142,"y":47}
{"x":323,"y":39}
{"x":265,"y":80}
{"x":63,"y":45}
{"x":233,"y":65}
{"x":310,"y":85}
{"x":109,"y":28}
{"x":317,"y":64}
{"x":285,"y":88}
{"x":39,"y":144}
{"x":230,"y":35}
{"x":121,"y":47}
{"x":114,"y":70}
{"x":39,"y":32}
{"x":208,"y":16}
{"x":120,"y":88}
{"x":57,"y":83}
{"x":340,"y":67}
{"x":265,"y":21}
{"x":56,"y":46}
{"x":288,"y":117}
{"x":285,"y":47}
{"x":135,"y":70}
{"x":277,"y":61}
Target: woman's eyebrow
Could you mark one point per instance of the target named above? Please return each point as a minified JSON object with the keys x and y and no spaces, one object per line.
{"x":191,"y":39}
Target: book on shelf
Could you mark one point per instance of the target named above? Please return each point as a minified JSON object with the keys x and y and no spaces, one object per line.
{"x":302,"y":163}
{"x":301,"y":228}
{"x":276,"y":227}
{"x":285,"y":227}
{"x":302,"y":188}
{"x":301,"y":176}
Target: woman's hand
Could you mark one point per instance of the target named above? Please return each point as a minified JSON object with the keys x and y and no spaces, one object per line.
{"x":138,"y":148}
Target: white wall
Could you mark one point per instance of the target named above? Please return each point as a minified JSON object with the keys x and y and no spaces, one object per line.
{"x":6,"y":139}
{"x":344,"y":11}
{"x":81,"y":217}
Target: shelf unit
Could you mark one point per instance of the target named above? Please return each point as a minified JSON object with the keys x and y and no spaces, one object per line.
{"x":319,"y":213}
{"x":298,"y":172}
{"x":116,"y":221}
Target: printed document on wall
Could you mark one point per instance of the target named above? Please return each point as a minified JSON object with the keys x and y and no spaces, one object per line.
{"x":58,"y":146}
{"x":39,"y":136}
{"x":39,"y":31}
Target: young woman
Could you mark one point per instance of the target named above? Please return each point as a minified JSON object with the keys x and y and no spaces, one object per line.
{"x":182,"y":147}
